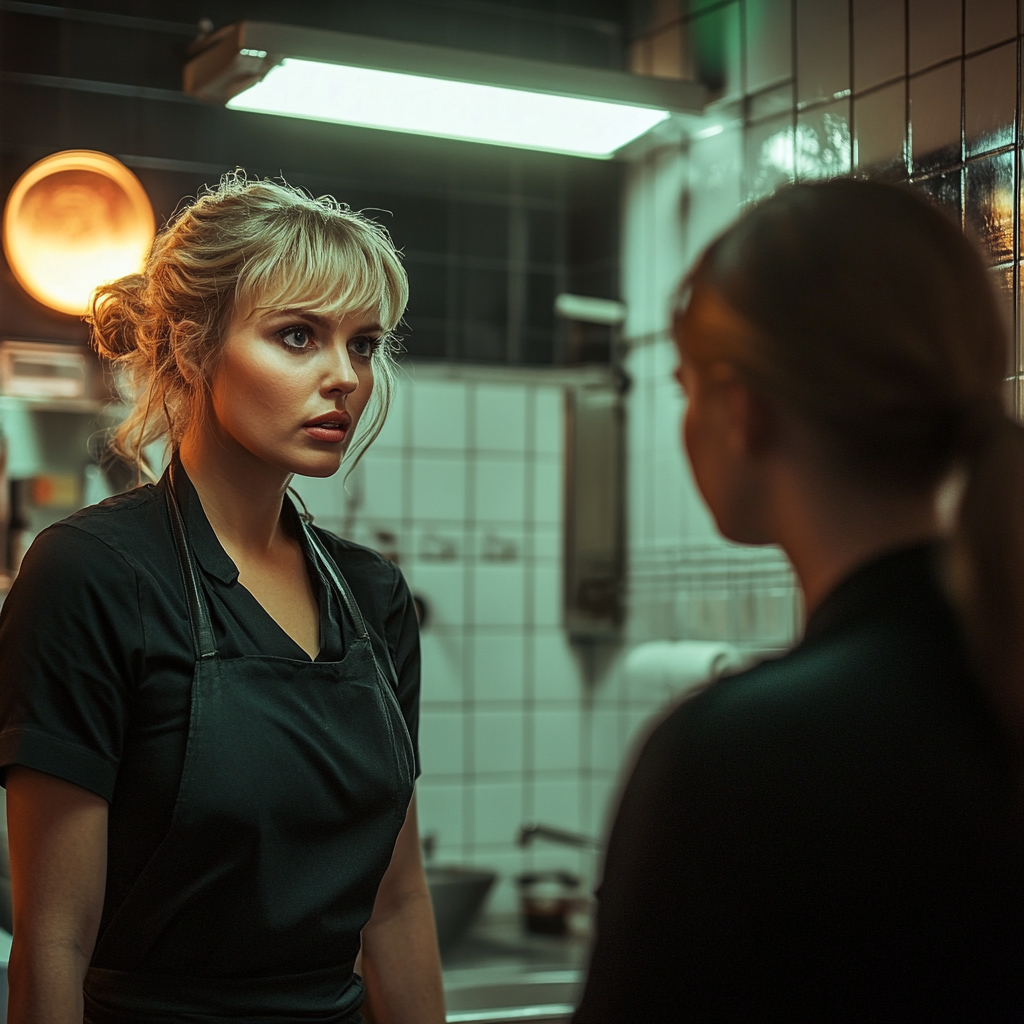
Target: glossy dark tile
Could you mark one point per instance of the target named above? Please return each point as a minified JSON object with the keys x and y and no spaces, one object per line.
{"x":1003,"y":281}
{"x":988,"y":204}
{"x":990,"y":99}
{"x":1012,"y":397}
{"x":540,"y":301}
{"x":936,"y":31}
{"x":1017,"y":357}
{"x":823,"y":145}
{"x":483,"y":342}
{"x":945,"y":190}
{"x":770,"y":102}
{"x":935,"y":118}
{"x":542,"y":236}
{"x":423,"y":339}
{"x":428,"y":288}
{"x":484,"y":295}
{"x":879,"y":42}
{"x":768,"y":160}
{"x":822,"y":49}
{"x":880,"y":127}
{"x":989,"y":21}
{"x":482,"y":230}
{"x":420,"y":227}
{"x":538,"y":348}
{"x":769,"y":43}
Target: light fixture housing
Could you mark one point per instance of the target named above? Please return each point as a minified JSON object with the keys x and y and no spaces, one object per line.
{"x":431,"y":90}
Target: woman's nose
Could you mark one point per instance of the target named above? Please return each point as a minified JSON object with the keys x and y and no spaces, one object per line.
{"x":341,"y":375}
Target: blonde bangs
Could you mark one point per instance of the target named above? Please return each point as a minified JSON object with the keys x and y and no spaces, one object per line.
{"x":328,"y":265}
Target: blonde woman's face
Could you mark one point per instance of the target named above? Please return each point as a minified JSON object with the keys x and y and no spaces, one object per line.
{"x":291,"y":386}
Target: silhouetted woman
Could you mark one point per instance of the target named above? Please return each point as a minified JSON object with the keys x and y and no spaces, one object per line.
{"x":836,"y":835}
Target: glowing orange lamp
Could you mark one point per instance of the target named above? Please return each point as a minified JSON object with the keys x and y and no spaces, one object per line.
{"x":74,"y":221}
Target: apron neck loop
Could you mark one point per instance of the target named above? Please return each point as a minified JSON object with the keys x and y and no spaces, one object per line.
{"x":339,"y":581}
{"x":198,"y":612}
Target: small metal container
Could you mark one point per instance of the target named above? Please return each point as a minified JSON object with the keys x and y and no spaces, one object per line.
{"x":547,"y":898}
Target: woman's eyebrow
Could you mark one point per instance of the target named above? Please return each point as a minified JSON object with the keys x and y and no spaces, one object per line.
{"x":304,"y":314}
{"x":320,"y":321}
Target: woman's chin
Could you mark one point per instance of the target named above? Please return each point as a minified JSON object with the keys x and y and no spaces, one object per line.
{"x":304,"y":461}
{"x":740,"y":531}
{"x":323,"y":466}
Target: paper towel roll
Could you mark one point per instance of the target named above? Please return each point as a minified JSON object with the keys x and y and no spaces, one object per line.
{"x":665,"y":669}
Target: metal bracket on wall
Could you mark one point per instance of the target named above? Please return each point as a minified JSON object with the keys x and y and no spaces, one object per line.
{"x":595,"y":512}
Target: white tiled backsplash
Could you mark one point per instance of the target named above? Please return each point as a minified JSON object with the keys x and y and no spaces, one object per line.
{"x":464,"y":486}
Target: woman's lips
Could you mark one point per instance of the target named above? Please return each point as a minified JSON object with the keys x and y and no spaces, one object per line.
{"x":333,"y":433}
{"x":330,"y":427}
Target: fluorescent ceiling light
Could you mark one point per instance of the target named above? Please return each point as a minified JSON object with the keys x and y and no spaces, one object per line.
{"x":426,"y":90}
{"x":709,"y":132}
{"x":448,"y":109}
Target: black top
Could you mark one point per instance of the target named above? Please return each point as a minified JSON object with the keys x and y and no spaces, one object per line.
{"x":835,"y":835}
{"x":97,"y":660}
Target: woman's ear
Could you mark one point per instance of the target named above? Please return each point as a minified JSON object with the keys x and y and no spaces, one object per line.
{"x":754,"y":420}
{"x":747,"y":417}
{"x":191,"y":371}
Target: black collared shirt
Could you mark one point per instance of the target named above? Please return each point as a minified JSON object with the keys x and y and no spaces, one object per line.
{"x":96,"y":656}
{"x":836,"y":835}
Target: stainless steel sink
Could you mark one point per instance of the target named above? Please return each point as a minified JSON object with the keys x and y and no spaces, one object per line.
{"x":457,"y":894}
{"x":542,"y":997}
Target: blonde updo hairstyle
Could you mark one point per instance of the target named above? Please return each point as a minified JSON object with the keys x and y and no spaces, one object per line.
{"x":241,"y":247}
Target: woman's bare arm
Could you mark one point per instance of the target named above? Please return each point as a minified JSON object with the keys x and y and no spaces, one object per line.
{"x":58,"y":840}
{"x":400,"y":962}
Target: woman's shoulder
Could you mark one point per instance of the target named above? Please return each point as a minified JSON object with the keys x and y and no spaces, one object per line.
{"x":99,"y":544}
{"x":883,"y":684}
{"x":119,"y":521}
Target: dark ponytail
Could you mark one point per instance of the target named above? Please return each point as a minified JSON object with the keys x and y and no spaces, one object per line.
{"x":986,"y":563}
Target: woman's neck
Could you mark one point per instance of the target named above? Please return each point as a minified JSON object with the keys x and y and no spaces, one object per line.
{"x":241,"y":494}
{"x":829,"y":531}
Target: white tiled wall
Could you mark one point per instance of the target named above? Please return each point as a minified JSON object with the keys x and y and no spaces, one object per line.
{"x":467,"y":479}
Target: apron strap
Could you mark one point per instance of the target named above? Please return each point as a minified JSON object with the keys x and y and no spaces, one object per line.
{"x":348,"y":599}
{"x":339,"y":581}
{"x":198,"y":612}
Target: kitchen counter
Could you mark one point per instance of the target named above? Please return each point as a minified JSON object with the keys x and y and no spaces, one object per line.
{"x":498,"y":943}
{"x":498,"y":965}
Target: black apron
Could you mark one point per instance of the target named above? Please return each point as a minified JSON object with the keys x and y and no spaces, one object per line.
{"x":296,"y":781}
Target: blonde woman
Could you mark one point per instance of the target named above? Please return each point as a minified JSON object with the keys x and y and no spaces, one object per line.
{"x":208,"y":705}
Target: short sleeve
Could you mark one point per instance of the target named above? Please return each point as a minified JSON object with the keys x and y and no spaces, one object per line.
{"x":71,"y":643}
{"x":403,"y":638}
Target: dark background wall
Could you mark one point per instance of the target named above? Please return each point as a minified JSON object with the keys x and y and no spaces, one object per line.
{"x":490,"y":235}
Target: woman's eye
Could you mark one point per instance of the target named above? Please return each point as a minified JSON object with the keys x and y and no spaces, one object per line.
{"x":297,"y":338}
{"x":364,"y":346}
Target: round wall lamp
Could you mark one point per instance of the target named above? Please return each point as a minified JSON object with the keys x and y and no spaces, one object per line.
{"x":74,"y":221}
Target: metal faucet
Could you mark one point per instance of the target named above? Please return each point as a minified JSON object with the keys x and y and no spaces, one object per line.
{"x":531,"y":830}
